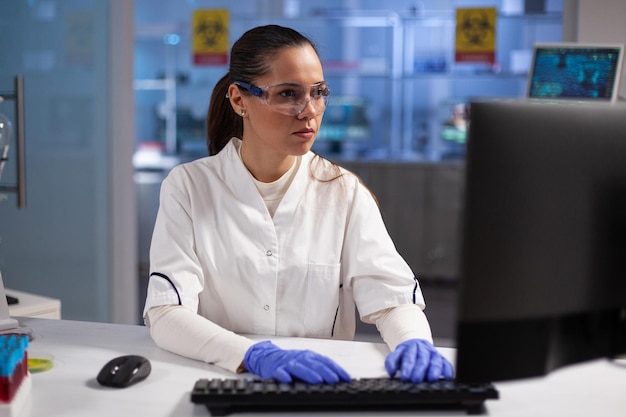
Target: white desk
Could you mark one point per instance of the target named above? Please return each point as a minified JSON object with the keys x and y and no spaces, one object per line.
{"x":31,"y":305}
{"x":81,"y":348}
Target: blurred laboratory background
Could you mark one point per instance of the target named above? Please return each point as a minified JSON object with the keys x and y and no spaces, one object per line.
{"x":115,"y":95}
{"x":397,"y":115}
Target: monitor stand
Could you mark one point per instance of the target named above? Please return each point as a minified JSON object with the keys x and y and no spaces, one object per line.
{"x":6,"y":322}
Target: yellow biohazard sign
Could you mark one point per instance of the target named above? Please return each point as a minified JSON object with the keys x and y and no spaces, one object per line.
{"x":210,"y":36}
{"x":476,"y":35}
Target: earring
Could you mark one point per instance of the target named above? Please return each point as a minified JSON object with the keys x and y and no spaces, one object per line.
{"x":242,"y":112}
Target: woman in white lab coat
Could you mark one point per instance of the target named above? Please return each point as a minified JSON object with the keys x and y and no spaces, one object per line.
{"x":265,"y":237}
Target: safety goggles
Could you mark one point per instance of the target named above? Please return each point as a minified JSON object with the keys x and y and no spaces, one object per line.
{"x":290,"y":98}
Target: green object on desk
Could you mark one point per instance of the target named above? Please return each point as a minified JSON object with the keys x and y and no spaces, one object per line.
{"x":36,"y":365}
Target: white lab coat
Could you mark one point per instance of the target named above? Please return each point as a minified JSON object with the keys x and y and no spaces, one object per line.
{"x":216,"y":250}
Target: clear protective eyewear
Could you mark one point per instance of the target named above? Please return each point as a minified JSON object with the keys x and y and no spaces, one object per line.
{"x":290,"y":98}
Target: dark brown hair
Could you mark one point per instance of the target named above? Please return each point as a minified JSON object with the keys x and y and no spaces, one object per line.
{"x":250,"y":58}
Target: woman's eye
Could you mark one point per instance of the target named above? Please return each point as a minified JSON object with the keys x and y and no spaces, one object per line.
{"x":320,"y":92}
{"x":289,"y":93}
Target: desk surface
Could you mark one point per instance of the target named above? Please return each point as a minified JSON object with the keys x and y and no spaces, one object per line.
{"x":80,"y":349}
{"x":31,"y":305}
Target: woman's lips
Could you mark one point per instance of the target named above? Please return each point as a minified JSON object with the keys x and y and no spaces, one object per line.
{"x":305,"y":133}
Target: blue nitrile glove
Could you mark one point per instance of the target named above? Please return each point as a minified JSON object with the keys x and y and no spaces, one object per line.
{"x":418,"y":360}
{"x":269,"y":361}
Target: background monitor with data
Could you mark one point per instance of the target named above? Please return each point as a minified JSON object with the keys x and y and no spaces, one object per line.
{"x":575,"y":72}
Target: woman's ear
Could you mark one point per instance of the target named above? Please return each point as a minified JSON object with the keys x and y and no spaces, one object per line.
{"x":236,"y":98}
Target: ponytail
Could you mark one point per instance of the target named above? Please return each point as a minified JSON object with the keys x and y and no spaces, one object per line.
{"x":222,"y":122}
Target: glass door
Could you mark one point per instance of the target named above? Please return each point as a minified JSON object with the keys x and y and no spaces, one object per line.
{"x":75,"y":240}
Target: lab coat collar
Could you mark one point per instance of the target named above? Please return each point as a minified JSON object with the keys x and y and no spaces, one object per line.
{"x":239,"y":180}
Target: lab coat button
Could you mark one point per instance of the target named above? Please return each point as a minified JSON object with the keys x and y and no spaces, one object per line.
{"x":269,"y":253}
{"x":266,"y":307}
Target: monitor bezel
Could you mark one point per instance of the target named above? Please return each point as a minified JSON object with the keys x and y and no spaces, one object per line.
{"x":574,"y":46}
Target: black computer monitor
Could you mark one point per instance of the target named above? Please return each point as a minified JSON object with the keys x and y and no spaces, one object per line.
{"x":574,"y":71}
{"x":543,"y":257}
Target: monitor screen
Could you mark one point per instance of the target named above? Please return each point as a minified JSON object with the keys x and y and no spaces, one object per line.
{"x":542,"y":276}
{"x":575,"y":71}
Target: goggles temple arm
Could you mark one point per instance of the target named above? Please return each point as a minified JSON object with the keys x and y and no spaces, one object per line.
{"x":253,"y":89}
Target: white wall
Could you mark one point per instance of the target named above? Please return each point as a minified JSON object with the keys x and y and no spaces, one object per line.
{"x":124,"y":286}
{"x":603,"y":21}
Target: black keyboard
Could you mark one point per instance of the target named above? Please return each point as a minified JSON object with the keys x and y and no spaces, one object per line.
{"x":225,"y":396}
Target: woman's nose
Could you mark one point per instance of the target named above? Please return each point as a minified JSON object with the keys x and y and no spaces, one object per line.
{"x":308,"y":109}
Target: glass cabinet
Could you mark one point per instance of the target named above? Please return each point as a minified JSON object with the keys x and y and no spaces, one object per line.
{"x":361,"y":54}
{"x":436,"y":89}
{"x":396,"y":88}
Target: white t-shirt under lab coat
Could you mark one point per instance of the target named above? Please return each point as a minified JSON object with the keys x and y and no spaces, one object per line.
{"x":218,"y":252}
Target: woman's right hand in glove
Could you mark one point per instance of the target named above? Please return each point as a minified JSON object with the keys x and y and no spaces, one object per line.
{"x":269,"y":361}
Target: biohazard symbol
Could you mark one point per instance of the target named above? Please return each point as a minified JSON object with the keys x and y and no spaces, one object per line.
{"x":475,"y":27}
{"x":211,"y":31}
